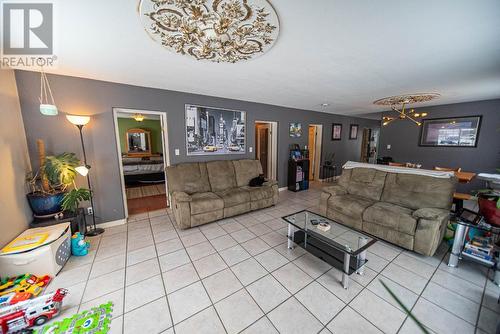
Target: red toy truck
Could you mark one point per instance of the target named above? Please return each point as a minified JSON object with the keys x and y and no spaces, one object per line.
{"x":33,"y":312}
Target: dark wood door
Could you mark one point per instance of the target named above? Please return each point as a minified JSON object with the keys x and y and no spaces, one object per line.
{"x":262,"y":152}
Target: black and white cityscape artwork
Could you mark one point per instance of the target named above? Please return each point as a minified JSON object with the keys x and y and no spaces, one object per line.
{"x":213,"y":131}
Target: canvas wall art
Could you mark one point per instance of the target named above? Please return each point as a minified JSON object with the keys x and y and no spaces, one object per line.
{"x":353,"y":131}
{"x":214,"y":131}
{"x":336,"y":131}
{"x":295,"y":130}
{"x":460,"y":131}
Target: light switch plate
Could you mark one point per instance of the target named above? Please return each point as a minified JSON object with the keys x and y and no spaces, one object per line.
{"x":389,"y":147}
{"x":177,"y":151}
{"x":250,"y":149}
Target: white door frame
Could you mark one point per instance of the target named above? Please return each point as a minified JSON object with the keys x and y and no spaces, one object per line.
{"x":317,"y":150}
{"x":165,"y":146}
{"x":272,"y":161}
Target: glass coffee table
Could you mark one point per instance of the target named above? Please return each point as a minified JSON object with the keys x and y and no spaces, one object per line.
{"x":340,"y":246}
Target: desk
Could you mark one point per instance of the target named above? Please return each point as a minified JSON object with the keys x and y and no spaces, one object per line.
{"x":465,"y":177}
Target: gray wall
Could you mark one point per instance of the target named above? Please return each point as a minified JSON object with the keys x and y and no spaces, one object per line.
{"x":14,"y":211}
{"x":97,"y":98}
{"x":403,"y":136}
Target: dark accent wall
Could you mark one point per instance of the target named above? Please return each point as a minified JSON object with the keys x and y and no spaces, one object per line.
{"x":404,"y":136}
{"x":97,"y":98}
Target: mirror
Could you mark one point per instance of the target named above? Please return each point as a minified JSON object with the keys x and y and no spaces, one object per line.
{"x":138,"y":142}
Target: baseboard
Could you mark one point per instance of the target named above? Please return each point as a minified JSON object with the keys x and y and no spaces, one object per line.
{"x":113,"y":223}
{"x":282,"y":188}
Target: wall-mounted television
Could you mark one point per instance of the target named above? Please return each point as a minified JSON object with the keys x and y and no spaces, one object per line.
{"x":450,"y":132}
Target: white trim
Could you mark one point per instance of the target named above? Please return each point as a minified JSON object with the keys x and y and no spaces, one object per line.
{"x":166,"y":152}
{"x":282,"y":188}
{"x":113,"y":223}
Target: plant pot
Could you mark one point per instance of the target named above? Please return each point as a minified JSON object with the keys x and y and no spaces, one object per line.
{"x":488,"y":209}
{"x":45,"y":204}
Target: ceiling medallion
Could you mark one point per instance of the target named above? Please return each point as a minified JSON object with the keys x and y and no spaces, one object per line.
{"x":398,"y":104}
{"x":216,"y":30}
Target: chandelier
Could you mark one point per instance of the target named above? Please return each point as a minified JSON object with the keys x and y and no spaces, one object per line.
{"x":138,"y":117}
{"x":216,"y":30}
{"x":399,"y":103}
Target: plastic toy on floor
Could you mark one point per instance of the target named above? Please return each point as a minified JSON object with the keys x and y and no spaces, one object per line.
{"x":21,"y":288}
{"x":95,"y":320}
{"x":29,"y":313}
{"x":79,"y":247}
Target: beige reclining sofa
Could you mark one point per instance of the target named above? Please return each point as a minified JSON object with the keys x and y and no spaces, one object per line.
{"x":408,"y":210}
{"x":203,"y":192}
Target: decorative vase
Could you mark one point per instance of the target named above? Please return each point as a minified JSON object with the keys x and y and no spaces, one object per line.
{"x":488,"y":209}
{"x":44,"y":204}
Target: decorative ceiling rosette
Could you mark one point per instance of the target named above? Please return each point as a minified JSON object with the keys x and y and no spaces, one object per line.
{"x":406,"y":99}
{"x":216,"y":30}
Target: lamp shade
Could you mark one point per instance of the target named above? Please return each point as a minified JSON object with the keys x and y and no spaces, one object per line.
{"x":78,"y":120}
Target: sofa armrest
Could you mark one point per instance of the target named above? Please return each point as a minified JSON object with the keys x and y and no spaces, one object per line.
{"x":431,"y":227}
{"x":270,"y":183}
{"x":180,"y":196}
{"x":430,"y":213}
{"x":335,"y":190}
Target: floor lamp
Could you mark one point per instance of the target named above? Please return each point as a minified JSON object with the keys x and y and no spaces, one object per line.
{"x":80,"y":122}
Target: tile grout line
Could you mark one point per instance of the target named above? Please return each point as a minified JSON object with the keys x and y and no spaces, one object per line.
{"x":88,"y":276}
{"x":481,"y":304}
{"x":125,"y":277}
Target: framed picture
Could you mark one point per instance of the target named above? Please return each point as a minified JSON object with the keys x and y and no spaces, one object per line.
{"x":295,"y":130}
{"x":336,"y":131}
{"x":214,"y":131}
{"x":353,"y":131}
{"x":450,"y":132}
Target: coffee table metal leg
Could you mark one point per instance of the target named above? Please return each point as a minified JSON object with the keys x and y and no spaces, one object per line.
{"x":457,"y":245}
{"x":290,"y":236}
{"x":345,"y":274}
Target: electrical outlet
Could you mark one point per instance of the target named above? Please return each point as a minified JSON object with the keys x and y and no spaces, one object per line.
{"x":250,"y":149}
{"x":90,"y":210}
{"x":177,"y":151}
{"x":389,"y":147}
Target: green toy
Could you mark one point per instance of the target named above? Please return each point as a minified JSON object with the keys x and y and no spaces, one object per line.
{"x":95,"y":321}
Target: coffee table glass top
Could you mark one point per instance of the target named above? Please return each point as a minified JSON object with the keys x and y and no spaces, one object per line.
{"x":338,"y":236}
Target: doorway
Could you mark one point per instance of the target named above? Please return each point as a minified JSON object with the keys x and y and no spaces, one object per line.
{"x":266,"y":147}
{"x":142,"y":145}
{"x":314,"y":146}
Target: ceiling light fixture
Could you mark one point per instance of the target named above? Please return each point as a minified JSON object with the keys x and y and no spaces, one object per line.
{"x":400,"y":102}
{"x":138,"y":117}
{"x":216,"y":30}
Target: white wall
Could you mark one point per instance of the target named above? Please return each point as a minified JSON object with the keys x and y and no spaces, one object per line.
{"x":15,"y":213}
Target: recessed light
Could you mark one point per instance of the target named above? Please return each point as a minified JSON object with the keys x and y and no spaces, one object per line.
{"x":325,"y":104}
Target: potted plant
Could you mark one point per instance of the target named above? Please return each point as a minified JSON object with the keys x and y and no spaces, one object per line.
{"x":52,"y":187}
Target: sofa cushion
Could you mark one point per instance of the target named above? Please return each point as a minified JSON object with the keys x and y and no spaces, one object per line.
{"x":349,"y":205}
{"x":418,"y":191}
{"x":188,"y":177}
{"x":221,"y":175}
{"x":205,"y":202}
{"x":392,"y":216}
{"x":246,"y":170}
{"x":258,"y":193}
{"x":367,"y":183}
{"x":235,"y":196}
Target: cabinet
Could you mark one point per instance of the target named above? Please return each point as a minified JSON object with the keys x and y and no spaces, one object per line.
{"x":298,"y":174}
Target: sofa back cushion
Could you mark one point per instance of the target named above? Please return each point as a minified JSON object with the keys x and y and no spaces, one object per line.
{"x":364,"y":182}
{"x":221,"y":175}
{"x":246,"y":170}
{"x":418,"y":191}
{"x":188,"y":177}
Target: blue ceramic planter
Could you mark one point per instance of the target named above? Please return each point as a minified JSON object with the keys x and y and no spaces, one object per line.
{"x":43,"y":204}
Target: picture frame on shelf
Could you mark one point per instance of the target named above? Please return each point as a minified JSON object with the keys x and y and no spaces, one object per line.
{"x":353,"y":131}
{"x":336,"y":131}
{"x":295,"y":130}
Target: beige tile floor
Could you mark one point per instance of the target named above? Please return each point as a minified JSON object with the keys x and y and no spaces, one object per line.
{"x":237,"y":276}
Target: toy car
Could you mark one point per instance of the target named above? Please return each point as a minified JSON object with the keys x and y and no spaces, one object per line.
{"x":210,"y":148}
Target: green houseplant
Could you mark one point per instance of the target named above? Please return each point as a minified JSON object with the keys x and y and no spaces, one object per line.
{"x":52,"y":187}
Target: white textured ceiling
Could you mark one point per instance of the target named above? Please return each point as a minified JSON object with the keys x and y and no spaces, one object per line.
{"x":345,"y":53}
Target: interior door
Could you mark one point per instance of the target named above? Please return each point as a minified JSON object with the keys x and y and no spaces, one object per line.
{"x":312,"y":148}
{"x":365,"y":146}
{"x":262,"y":152}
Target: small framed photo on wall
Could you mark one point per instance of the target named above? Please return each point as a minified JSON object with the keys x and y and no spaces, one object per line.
{"x":353,"y":131}
{"x":295,"y":130}
{"x":336,"y":131}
